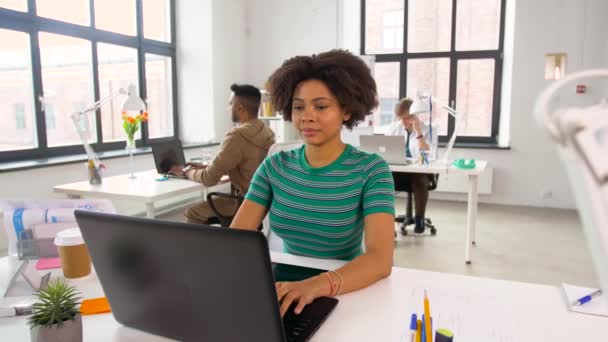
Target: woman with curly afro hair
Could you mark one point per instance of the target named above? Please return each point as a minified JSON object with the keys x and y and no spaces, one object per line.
{"x":326,"y":196}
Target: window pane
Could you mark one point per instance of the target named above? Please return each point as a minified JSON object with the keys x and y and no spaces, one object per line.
{"x":429,"y":25}
{"x":117,"y":69}
{"x":431,"y":76}
{"x":159,"y":90}
{"x":18,"y":124}
{"x":17,"y":5}
{"x":387,"y":81}
{"x":157,"y":23}
{"x":68,"y":84}
{"x":474,"y":97}
{"x":71,"y":11}
{"x":477,"y":24}
{"x":384,"y":26}
{"x":116,"y":16}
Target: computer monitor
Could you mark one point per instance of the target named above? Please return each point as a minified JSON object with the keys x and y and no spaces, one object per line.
{"x":168,"y":154}
{"x":192,"y":282}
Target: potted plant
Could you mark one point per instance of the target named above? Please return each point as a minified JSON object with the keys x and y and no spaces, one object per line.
{"x":56,"y":315}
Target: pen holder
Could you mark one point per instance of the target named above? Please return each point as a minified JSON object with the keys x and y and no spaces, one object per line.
{"x":94,"y":174}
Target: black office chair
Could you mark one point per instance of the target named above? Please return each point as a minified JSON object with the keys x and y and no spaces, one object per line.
{"x":408,"y":218}
{"x":222,"y":218}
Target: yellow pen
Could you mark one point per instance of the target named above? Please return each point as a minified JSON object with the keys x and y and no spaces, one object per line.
{"x":427,"y":319}
{"x":418,"y":331}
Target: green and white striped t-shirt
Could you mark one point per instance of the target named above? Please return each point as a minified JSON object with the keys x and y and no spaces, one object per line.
{"x":320,"y":212}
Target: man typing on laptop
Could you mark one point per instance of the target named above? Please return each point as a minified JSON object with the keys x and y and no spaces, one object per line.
{"x":240,"y":154}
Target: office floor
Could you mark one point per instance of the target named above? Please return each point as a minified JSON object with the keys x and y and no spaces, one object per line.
{"x":534,"y":245}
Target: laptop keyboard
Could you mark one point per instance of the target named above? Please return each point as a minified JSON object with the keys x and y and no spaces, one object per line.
{"x":301,"y":327}
{"x":296,"y":329}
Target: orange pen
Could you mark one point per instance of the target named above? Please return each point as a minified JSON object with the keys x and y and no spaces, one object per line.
{"x":419,"y":331}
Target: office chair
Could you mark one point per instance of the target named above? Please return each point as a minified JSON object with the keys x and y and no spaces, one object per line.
{"x":222,"y":218}
{"x":408,"y":218}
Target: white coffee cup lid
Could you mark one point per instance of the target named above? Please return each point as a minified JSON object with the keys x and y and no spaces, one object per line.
{"x":69,"y":237}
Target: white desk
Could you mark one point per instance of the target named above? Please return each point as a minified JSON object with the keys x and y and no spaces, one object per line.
{"x":473,"y":175}
{"x":477,"y":309}
{"x":143,"y":189}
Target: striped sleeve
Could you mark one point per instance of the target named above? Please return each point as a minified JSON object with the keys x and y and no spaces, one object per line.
{"x":259,"y":189}
{"x":378,"y":190}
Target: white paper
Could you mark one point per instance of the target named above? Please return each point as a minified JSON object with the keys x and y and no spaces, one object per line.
{"x":597,"y":305}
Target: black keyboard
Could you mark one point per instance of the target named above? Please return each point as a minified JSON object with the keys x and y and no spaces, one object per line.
{"x":301,"y":327}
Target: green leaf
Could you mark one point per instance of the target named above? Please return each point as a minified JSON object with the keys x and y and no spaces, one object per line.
{"x":56,"y":304}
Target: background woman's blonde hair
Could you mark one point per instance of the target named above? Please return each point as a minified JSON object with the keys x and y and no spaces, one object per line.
{"x":403,"y":105}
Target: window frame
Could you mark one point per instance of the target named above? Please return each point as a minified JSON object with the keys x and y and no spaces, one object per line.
{"x":454,"y":56}
{"x":28,"y":22}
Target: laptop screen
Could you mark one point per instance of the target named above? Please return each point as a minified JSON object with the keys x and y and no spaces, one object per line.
{"x":167,"y":155}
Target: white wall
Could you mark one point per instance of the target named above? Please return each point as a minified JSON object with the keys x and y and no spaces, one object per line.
{"x":229,"y":56}
{"x":530,"y":172}
{"x":211,"y":55}
{"x":194,"y":69}
{"x":279,"y":29}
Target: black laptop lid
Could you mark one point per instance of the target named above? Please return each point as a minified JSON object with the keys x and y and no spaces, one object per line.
{"x":183,"y":281}
{"x":167,"y":154}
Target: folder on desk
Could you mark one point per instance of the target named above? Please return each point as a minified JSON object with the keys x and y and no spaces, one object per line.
{"x":597,"y":306}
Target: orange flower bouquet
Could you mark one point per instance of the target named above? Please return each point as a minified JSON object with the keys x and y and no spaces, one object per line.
{"x":131,"y":125}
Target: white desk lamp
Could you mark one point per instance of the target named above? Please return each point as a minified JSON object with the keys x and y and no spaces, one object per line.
{"x":581,"y":138}
{"x":424,"y":104}
{"x":132,"y":104}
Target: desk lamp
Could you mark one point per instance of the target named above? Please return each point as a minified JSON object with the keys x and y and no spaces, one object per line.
{"x":580,"y":136}
{"x":423,"y":103}
{"x":132,"y":104}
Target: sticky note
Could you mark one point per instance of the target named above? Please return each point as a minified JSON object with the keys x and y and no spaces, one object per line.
{"x":95,"y":306}
{"x":48,"y":263}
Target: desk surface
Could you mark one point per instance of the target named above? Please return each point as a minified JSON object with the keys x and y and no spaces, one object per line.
{"x":477,"y":309}
{"x":143,"y":187}
{"x":438,"y":167}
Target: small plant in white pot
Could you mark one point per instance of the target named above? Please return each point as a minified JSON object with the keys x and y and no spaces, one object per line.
{"x":56,"y":315}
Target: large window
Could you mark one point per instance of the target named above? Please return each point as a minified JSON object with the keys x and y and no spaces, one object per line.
{"x":451,"y":49}
{"x":59,"y":57}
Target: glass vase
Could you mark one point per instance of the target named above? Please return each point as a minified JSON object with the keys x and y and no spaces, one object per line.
{"x":130,"y":148}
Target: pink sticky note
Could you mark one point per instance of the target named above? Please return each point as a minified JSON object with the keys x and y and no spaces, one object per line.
{"x":48,"y":263}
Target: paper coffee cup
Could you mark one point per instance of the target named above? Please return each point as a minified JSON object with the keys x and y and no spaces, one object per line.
{"x":75,"y":260}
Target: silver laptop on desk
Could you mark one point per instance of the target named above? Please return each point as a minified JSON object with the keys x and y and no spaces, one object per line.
{"x":390,"y":147}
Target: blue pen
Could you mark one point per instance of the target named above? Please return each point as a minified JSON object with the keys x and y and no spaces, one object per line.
{"x":413,"y":327}
{"x":587,"y":298}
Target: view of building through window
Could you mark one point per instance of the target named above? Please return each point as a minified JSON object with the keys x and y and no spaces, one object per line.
{"x":80,"y":64}
{"x":416,"y":46}
{"x":16,"y":92}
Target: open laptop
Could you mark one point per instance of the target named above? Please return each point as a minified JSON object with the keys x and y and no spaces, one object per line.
{"x":390,"y":147}
{"x":193,"y":282}
{"x":166,"y":155}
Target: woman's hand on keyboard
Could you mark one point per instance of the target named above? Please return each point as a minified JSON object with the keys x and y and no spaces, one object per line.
{"x":301,"y":293}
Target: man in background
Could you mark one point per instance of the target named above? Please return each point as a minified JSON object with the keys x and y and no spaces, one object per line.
{"x":239,"y":156}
